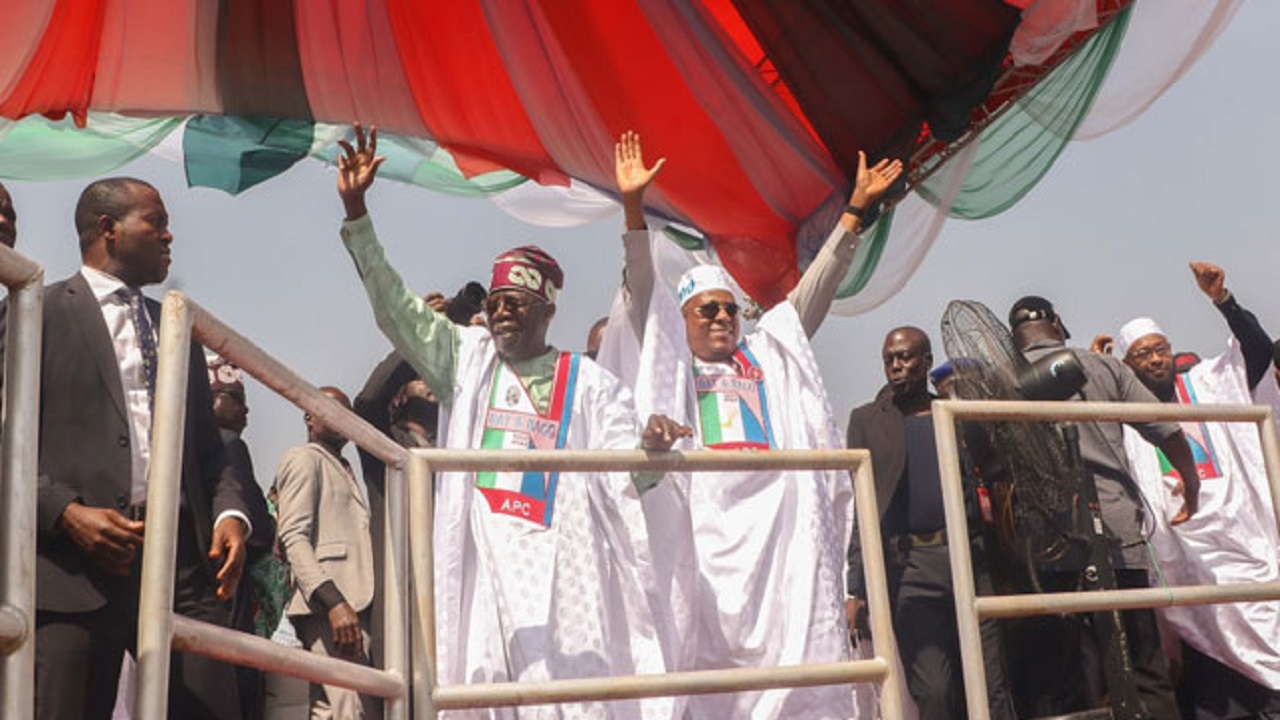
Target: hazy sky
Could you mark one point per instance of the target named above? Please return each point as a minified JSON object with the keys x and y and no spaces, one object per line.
{"x":1106,"y":236}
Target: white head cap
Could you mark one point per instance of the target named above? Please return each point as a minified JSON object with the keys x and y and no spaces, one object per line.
{"x":1134,"y":330}
{"x":700,"y":279}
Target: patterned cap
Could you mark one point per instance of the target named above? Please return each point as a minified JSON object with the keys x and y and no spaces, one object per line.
{"x":224,"y":376}
{"x":529,"y":269}
{"x":703,"y":278}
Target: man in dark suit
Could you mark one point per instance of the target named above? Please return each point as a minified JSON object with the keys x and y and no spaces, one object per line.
{"x":897,"y":427}
{"x":97,"y":387}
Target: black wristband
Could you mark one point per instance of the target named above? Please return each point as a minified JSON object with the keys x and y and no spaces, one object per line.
{"x":856,"y":211}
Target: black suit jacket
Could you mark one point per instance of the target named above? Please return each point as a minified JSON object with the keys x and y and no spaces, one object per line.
{"x":84,"y":447}
{"x":878,"y":426}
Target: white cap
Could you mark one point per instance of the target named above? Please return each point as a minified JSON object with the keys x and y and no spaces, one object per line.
{"x":700,"y":279}
{"x":1133,"y":331}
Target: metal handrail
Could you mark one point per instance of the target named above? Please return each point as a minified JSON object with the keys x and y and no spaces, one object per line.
{"x":158,"y":630}
{"x":19,"y":463}
{"x":436,"y":697}
{"x":971,"y":610}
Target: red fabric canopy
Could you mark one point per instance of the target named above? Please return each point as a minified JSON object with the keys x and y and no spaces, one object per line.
{"x":759,"y":105}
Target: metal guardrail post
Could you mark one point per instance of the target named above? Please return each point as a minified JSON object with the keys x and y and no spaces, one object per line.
{"x":395,"y":586}
{"x":970,"y":610}
{"x":19,"y":460}
{"x":164,"y":480}
{"x":422,"y":551}
{"x":883,"y":640}
{"x":968,"y":623}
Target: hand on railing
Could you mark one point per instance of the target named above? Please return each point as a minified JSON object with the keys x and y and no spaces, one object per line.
{"x":661,"y":433}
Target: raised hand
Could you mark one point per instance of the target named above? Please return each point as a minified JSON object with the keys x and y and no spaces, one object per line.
{"x":661,"y":433}
{"x":1211,"y":280}
{"x":357,"y":168}
{"x":1102,"y":344}
{"x":633,"y":177}
{"x":873,"y":182}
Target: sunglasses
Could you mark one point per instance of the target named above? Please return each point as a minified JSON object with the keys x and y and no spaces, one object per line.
{"x":711,"y":310}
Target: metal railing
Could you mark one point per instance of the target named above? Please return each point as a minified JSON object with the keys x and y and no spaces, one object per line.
{"x":971,"y":610}
{"x":432,"y":697}
{"x":159,"y":630}
{"x":19,"y":458}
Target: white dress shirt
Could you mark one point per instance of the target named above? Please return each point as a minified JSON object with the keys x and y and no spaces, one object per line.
{"x":124,"y":340}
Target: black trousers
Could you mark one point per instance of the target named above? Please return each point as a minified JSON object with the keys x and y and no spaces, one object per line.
{"x":924,"y":619}
{"x":78,"y":655}
{"x":1058,"y":660}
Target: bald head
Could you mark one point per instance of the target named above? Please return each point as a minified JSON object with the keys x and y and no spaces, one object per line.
{"x":318,"y":431}
{"x":907,"y":356}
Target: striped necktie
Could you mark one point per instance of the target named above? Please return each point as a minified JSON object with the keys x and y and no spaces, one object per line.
{"x":146,"y":336}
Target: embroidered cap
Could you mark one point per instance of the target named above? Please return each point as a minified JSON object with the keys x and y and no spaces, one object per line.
{"x":700,"y":279}
{"x":1133,"y":331}
{"x":530,"y":269}
{"x":225,"y":376}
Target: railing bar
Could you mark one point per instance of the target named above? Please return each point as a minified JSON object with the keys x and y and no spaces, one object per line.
{"x":448,"y":460}
{"x":240,"y":648}
{"x":697,"y":682}
{"x":1030,"y":410}
{"x":220,"y":338}
{"x":1002,"y":606}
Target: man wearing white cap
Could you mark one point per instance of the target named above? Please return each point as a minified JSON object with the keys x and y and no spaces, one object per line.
{"x":1230,"y":652}
{"x":539,"y":576}
{"x":769,"y":545}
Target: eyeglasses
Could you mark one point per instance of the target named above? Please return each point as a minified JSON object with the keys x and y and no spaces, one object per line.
{"x":711,"y":310}
{"x":1159,"y":349}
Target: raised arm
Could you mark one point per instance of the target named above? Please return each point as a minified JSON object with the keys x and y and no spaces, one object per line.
{"x":633,"y":179}
{"x":1255,"y":343}
{"x":424,"y":337}
{"x":813,"y":295}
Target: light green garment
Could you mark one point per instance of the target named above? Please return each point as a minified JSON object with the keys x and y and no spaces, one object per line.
{"x":425,"y":338}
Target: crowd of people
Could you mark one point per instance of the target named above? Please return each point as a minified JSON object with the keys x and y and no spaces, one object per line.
{"x":553,"y":575}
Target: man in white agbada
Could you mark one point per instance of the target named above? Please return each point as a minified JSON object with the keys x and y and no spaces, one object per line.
{"x":1232,"y":538}
{"x":770,"y":545}
{"x":539,"y":576}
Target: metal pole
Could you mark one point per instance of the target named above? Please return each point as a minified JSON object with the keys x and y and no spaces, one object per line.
{"x":1271,"y":459}
{"x":250,"y":650}
{"x":19,"y":458}
{"x":164,"y":478}
{"x":452,"y":460}
{"x":422,"y":551}
{"x":883,"y":641}
{"x":453,"y":697}
{"x":1130,"y":599}
{"x":395,"y":589}
{"x":962,"y":585}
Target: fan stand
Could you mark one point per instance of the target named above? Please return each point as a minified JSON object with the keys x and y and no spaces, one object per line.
{"x":1099,"y":574}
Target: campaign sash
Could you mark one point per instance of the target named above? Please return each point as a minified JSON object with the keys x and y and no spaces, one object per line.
{"x":1207,"y":466}
{"x":732,"y":408}
{"x":512,"y":422}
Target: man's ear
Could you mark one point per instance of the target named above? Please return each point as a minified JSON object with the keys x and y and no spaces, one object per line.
{"x":106,"y":227}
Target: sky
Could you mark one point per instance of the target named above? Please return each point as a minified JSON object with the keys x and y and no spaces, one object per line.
{"x":1107,"y":236}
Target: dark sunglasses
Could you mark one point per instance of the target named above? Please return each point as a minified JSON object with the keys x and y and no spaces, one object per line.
{"x":711,"y":310}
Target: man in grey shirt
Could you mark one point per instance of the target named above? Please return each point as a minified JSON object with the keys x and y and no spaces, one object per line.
{"x":1037,"y":331}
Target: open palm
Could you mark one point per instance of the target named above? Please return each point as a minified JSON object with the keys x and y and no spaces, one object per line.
{"x":632,"y":175}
